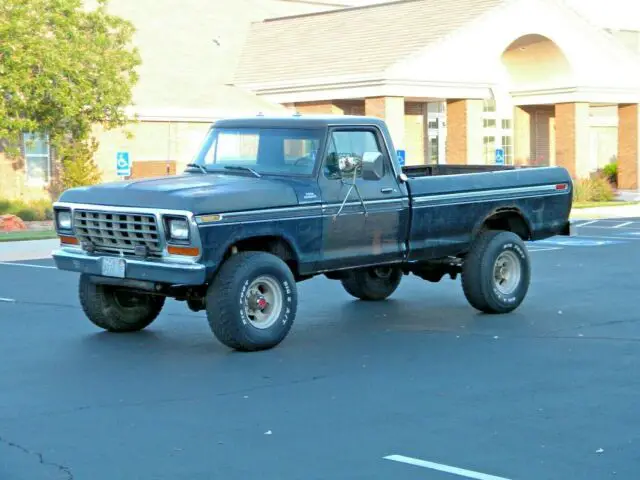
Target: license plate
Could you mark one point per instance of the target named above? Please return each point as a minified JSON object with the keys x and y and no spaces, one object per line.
{"x":113,"y":267}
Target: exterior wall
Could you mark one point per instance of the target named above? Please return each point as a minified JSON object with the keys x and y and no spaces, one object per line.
{"x":173,"y":143}
{"x":391,"y":109}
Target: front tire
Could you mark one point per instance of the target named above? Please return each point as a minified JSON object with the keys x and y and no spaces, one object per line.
{"x":116,"y":309}
{"x":497,"y":272}
{"x":252,"y":302}
{"x":372,"y":284}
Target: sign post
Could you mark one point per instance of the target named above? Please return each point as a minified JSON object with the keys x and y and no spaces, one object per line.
{"x":123,"y":164}
{"x":499,"y":156}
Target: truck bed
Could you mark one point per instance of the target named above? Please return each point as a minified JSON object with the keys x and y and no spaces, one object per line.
{"x":413,"y":171}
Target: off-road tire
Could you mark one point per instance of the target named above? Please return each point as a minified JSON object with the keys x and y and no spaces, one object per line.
{"x":226,"y":296}
{"x":102,"y":304}
{"x":365,"y":285}
{"x":478,"y":282}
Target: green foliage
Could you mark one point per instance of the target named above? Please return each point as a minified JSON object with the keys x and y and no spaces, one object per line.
{"x":63,"y":70}
{"x":38,"y":210}
{"x":610,"y":171}
{"x":78,"y":166}
{"x":596,"y":189}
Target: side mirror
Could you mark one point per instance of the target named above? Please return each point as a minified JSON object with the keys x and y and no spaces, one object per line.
{"x":372,"y":166}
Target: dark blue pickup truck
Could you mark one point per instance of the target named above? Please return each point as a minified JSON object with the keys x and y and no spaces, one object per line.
{"x":270,"y":202}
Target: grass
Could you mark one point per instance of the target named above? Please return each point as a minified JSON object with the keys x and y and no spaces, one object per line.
{"x":27,"y":235}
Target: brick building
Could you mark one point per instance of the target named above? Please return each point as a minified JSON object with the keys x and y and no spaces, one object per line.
{"x":548,"y":82}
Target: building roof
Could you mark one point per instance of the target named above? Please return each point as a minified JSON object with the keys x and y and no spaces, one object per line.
{"x":341,"y":42}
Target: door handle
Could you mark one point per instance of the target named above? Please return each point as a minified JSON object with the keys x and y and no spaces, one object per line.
{"x":386,"y":190}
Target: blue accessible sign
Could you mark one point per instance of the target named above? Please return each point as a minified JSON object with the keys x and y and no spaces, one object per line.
{"x":402,"y":156}
{"x":123,"y":164}
{"x":499,"y":156}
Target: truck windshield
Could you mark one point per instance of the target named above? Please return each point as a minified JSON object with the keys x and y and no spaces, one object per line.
{"x":278,"y":151}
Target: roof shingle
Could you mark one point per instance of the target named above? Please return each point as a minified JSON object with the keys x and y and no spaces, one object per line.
{"x":352,"y":41}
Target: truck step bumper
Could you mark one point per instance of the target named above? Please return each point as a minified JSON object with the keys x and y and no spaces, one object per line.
{"x":131,"y":269}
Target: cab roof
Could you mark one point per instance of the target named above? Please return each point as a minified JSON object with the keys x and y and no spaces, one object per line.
{"x":299,"y":121}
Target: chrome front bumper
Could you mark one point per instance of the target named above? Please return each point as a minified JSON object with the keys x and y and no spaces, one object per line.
{"x":76,"y":260}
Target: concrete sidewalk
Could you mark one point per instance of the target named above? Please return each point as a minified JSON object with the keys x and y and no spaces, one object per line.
{"x":621,"y":211}
{"x":27,"y":250}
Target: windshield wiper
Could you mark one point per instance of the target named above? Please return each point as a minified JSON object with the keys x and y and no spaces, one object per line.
{"x":246,"y":169}
{"x":196,"y":165}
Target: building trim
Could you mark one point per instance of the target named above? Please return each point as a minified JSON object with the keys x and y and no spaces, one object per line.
{"x":586,"y":94}
{"x":363,"y":87}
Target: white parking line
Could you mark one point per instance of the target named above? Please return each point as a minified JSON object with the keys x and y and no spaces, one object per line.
{"x":26,"y":265}
{"x":622,"y":225}
{"x":543,"y":249}
{"x":587,"y":223}
{"x":7,"y":300}
{"x":443,"y":468}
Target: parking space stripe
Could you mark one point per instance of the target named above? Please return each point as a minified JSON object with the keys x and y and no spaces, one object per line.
{"x":443,"y":468}
{"x":622,"y":225}
{"x":7,"y":300}
{"x":587,"y":223}
{"x":11,"y":264}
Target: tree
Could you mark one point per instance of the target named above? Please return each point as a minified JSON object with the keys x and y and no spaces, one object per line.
{"x":63,"y":70}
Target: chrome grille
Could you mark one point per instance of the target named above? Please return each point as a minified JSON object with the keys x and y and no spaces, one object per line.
{"x":118,"y":232}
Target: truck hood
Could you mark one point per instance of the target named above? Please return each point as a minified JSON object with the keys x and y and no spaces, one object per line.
{"x":197,"y":193}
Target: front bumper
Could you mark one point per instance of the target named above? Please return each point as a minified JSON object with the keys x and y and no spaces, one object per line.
{"x":143,"y":270}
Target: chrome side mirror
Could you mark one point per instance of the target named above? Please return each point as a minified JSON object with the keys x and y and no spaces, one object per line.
{"x":372,"y":166}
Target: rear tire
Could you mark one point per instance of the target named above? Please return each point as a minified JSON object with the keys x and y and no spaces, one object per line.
{"x":252,"y":302}
{"x":372,"y":284}
{"x":116,"y":309}
{"x":497,"y":272}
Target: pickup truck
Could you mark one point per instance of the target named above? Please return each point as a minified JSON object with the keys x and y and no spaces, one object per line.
{"x":269,"y":202}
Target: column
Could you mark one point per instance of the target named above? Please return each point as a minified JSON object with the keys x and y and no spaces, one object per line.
{"x":628,"y":146}
{"x":464,"y":132}
{"x":521,"y":135}
{"x":391,"y":110}
{"x":572,"y":138}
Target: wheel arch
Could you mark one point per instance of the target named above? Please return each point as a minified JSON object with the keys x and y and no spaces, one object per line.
{"x":510,"y":219}
{"x":277,"y":244}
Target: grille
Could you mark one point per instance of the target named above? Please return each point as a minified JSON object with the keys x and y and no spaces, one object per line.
{"x":118,"y":232}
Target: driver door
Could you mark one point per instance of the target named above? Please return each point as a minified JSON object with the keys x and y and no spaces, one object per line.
{"x":351,"y":238}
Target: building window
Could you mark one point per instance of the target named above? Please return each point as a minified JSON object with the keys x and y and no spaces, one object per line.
{"x":433,"y":150}
{"x":489,"y":123}
{"x":489,"y":106}
{"x":507,"y":145}
{"x":506,"y":124}
{"x":37,"y":153}
{"x":489,"y":149}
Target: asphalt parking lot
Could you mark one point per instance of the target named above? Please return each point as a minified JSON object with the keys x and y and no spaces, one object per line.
{"x":418,"y":387}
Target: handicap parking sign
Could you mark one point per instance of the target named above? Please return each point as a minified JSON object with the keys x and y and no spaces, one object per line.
{"x":499,"y":156}
{"x":123,"y":164}
{"x":402,"y":155}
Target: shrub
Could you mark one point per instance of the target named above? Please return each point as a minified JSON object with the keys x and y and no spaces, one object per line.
{"x":596,"y":189}
{"x":610,"y":171}
{"x":38,"y":210}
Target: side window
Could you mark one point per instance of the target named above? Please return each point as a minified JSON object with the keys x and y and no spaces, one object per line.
{"x":355,"y":142}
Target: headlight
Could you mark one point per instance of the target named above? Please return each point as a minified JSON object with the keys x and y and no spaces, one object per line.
{"x":178,"y":229}
{"x":64,"y":220}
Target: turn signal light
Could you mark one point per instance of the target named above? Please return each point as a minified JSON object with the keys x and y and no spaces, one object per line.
{"x":185,"y":251}
{"x":66,"y":240}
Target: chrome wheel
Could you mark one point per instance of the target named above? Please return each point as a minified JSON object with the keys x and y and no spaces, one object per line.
{"x":507,"y":272}
{"x":263,"y":302}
